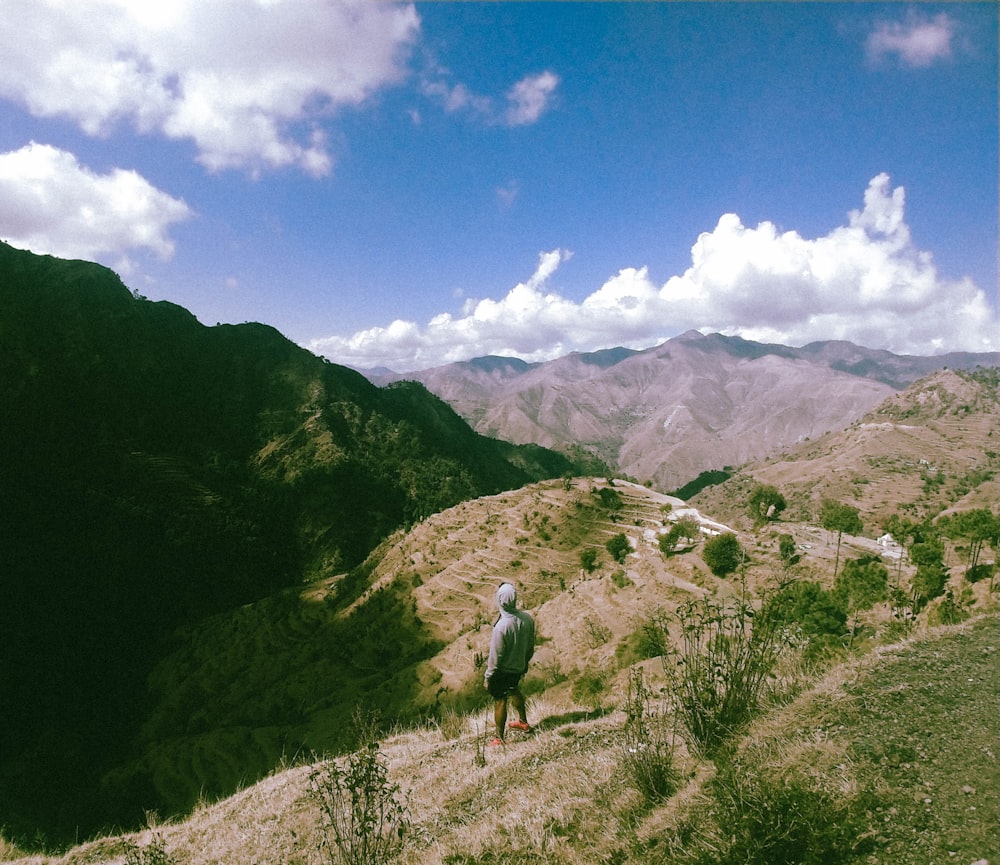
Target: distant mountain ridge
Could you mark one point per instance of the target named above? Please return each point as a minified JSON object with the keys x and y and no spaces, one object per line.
{"x":693,"y":404}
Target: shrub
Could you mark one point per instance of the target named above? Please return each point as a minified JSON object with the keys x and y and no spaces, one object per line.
{"x":649,"y":640}
{"x":597,"y":632}
{"x":817,"y":614}
{"x":977,"y":573}
{"x":619,"y":547}
{"x":588,"y":559}
{"x":787,"y":550}
{"x":589,"y":688}
{"x":723,"y":554}
{"x":621,"y":579}
{"x":611,"y":500}
{"x":721,"y":668}
{"x":364,"y":819}
{"x":765,"y":504}
{"x":154,"y":853}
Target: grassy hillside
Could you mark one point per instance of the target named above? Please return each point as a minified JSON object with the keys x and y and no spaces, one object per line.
{"x":404,"y":636}
{"x":887,"y":758}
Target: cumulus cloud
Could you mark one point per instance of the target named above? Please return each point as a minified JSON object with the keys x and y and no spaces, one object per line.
{"x":49,"y":203}
{"x":864,"y":281}
{"x":248,"y":81}
{"x":917,"y":42}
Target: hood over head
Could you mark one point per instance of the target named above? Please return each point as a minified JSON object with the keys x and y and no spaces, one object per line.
{"x":507,"y":597}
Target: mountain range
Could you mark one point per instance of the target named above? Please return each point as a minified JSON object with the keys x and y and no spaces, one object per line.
{"x":694,"y":404}
{"x":216,"y":545}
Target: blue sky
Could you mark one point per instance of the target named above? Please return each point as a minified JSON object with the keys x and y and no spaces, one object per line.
{"x":408,"y":185}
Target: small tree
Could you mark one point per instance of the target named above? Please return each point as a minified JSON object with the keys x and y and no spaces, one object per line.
{"x":723,"y":554}
{"x":765,"y":504}
{"x":931,"y":576}
{"x":588,"y":559}
{"x":611,"y":499}
{"x":978,"y":527}
{"x":686,"y":528}
{"x":619,"y":547}
{"x":838,"y":517}
{"x":862,"y":584}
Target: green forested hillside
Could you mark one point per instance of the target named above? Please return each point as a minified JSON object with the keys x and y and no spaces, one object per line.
{"x":154,"y":472}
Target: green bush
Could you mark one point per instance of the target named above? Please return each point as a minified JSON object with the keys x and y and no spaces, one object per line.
{"x":817,"y":615}
{"x":619,"y":547}
{"x":620,"y":579}
{"x":723,"y":554}
{"x":588,"y":559}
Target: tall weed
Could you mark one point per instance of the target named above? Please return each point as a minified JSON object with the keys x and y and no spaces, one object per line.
{"x":364,"y":818}
{"x":720,"y":672}
{"x":647,"y":744}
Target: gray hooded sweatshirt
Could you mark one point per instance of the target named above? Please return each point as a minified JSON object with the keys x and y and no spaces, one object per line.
{"x":513,"y":640}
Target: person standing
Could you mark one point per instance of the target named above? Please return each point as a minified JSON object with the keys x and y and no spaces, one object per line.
{"x":511,"y":648}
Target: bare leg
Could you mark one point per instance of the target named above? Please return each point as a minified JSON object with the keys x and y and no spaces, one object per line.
{"x":517,"y":701}
{"x":500,"y":716}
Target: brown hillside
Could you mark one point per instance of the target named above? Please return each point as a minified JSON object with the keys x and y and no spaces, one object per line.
{"x":696,"y":403}
{"x":534,"y":537}
{"x":933,"y":446}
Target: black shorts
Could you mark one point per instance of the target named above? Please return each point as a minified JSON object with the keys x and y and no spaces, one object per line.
{"x":501,"y":684}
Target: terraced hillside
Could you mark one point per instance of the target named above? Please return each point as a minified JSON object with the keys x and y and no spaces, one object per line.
{"x":452,"y":563}
{"x":932,"y":447}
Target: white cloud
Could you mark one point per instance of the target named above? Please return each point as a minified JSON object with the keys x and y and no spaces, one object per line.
{"x":917,"y":42}
{"x":864,"y":282}
{"x":248,"y":81}
{"x":524,"y":103}
{"x":529,"y":98}
{"x":49,"y":203}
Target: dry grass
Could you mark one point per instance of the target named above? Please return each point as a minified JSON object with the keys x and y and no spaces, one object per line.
{"x":558,"y":795}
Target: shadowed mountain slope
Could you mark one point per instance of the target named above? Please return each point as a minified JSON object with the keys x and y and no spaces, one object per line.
{"x":156,"y":471}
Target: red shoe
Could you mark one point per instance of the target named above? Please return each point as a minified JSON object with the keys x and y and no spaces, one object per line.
{"x":519,"y":725}
{"x":495,"y":742}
